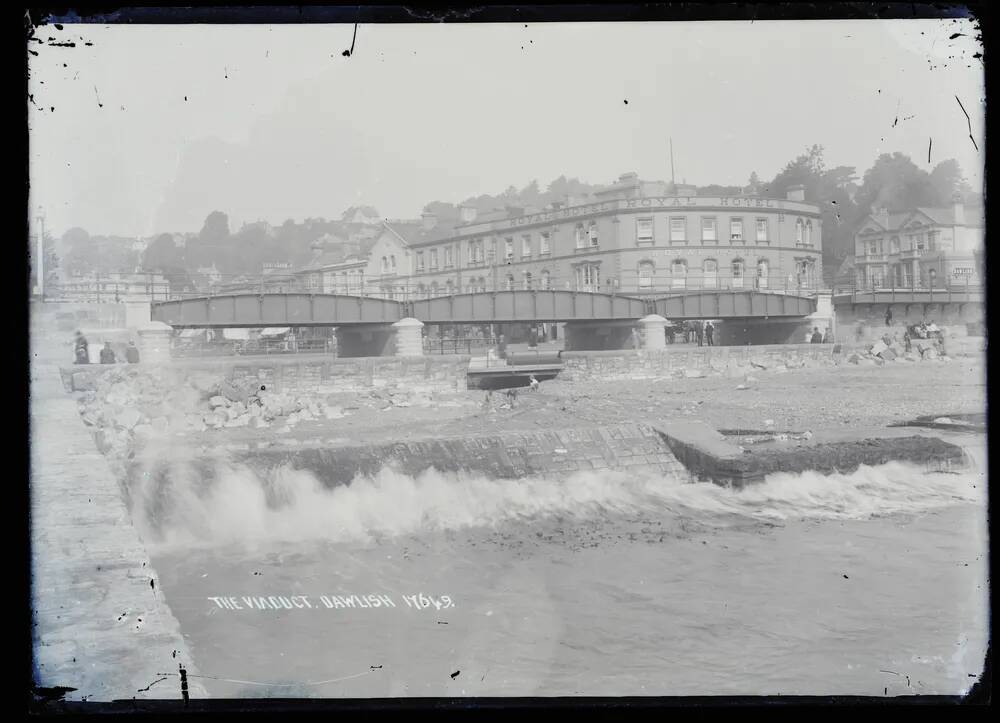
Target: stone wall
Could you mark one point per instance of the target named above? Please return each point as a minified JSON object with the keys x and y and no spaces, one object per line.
{"x":686,"y":361}
{"x":314,"y":373}
{"x":955,"y":319}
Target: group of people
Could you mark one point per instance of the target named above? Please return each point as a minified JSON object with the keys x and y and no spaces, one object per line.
{"x":818,"y":338}
{"x":82,"y":352}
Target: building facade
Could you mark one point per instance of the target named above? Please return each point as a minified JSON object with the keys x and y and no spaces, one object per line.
{"x":634,"y":237}
{"x":921,"y":248}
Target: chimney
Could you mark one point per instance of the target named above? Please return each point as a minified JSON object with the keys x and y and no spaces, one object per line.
{"x":467,"y":213}
{"x":796,"y":193}
{"x":630,"y":177}
{"x":959,"y":209}
{"x":429,"y":221}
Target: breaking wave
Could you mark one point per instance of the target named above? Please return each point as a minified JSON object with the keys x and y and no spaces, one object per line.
{"x":239,"y":506}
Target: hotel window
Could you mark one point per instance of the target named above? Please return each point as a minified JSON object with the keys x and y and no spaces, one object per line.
{"x":449,"y":287}
{"x":385,"y":265}
{"x":544,"y":248}
{"x":678,"y":273}
{"x":420,"y":260}
{"x":580,"y":242}
{"x":508,"y":282}
{"x":762,"y":271}
{"x":526,"y":246}
{"x":761,"y":230}
{"x":508,"y":249}
{"x":392,"y":264}
{"x":708,"y":229}
{"x":434,"y":259}
{"x":920,"y":242}
{"x":448,"y":257}
{"x":736,"y":229}
{"x":738,"y":269}
{"x":809,"y":233}
{"x":588,"y":277}
{"x":894,"y":245}
{"x":546,"y":279}
{"x":798,"y":231}
{"x":644,"y":231}
{"x":646,"y":269}
{"x":493,"y":251}
{"x":710,"y":274}
{"x":434,"y":288}
{"x":527,"y":280}
{"x":593,"y":233}
{"x":678,"y":230}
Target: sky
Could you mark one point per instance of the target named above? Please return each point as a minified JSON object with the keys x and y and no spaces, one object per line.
{"x":150,"y":128}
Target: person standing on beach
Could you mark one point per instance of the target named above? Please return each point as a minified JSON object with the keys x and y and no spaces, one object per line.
{"x":107,"y":354}
{"x":826,"y":336}
{"x":80,"y":349}
{"x":502,"y":346}
{"x":699,"y":331}
{"x":888,"y":316}
{"x":709,"y":332}
{"x":131,"y":353}
{"x":635,"y":340}
{"x":817,"y":338}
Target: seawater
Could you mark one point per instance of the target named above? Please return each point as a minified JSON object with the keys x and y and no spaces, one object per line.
{"x":871,"y":583}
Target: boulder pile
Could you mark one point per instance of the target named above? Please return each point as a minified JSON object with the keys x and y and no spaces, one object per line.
{"x":879,"y":353}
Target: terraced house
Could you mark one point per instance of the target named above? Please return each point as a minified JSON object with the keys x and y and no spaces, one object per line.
{"x":633,"y":236}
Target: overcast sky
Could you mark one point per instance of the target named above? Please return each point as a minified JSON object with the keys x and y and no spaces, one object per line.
{"x":154,"y":127}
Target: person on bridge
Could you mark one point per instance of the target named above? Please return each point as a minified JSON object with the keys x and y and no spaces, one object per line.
{"x":80,"y":349}
{"x":709,"y":333}
{"x":636,"y":344}
{"x":107,"y":354}
{"x":502,"y":346}
{"x":817,"y":338}
{"x":132,"y":353}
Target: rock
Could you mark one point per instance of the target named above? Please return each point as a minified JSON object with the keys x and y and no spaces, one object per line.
{"x":693,"y":373}
{"x":331,"y":412}
{"x":127,"y":418}
{"x":768,"y":422}
{"x":83,"y":382}
{"x":757,"y":364}
{"x":854,"y":358}
{"x":213,"y":419}
{"x":160,"y":424}
{"x":910,"y":356}
{"x":930,"y":353}
{"x":742,"y":386}
{"x":218,"y":401}
{"x":305,"y":416}
{"x":258,"y":423}
{"x":143,"y":431}
{"x":751,"y":380}
{"x":877,"y":348}
{"x":888,"y":354}
{"x":240,"y":408}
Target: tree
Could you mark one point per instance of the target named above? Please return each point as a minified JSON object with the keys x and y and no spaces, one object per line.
{"x":216,"y":228}
{"x":163,"y":255}
{"x":948,"y":180}
{"x":896,"y":183}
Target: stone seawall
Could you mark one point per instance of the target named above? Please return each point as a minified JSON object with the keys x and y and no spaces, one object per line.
{"x":100,"y":624}
{"x":314,"y":373}
{"x":629,"y":447}
{"x":732,"y":361}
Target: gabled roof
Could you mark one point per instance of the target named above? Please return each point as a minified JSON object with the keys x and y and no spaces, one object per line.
{"x":936,"y":216}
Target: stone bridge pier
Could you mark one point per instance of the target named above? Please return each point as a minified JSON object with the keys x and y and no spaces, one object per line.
{"x":402,"y":338}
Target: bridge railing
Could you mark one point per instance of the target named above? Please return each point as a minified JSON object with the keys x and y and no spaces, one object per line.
{"x":935,"y":287}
